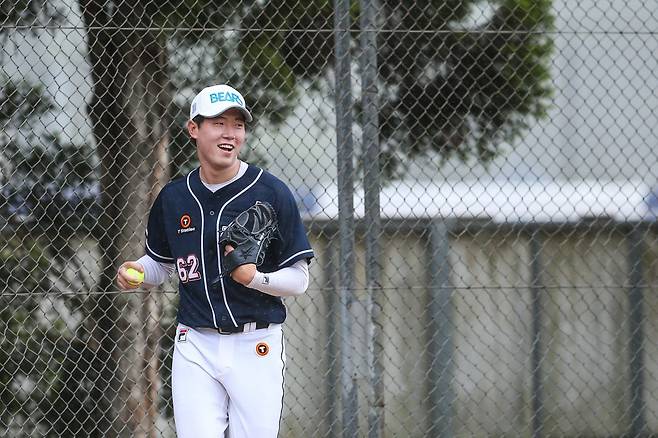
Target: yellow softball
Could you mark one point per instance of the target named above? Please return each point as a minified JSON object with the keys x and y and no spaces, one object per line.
{"x":137,"y":277}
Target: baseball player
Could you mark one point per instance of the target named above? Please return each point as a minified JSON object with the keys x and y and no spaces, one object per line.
{"x":229,"y":356}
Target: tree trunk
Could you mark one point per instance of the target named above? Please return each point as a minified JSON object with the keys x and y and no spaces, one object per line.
{"x":128,"y":112}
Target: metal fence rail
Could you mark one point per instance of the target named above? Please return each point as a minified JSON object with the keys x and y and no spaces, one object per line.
{"x":478,"y":180}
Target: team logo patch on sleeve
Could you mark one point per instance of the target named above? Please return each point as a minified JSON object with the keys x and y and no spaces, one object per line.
{"x":262,"y":349}
{"x":182,"y":335}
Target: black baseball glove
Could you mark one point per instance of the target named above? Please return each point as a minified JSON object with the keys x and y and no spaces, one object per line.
{"x":250,"y":234}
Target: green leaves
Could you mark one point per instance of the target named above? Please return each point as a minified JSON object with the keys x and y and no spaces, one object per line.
{"x":458,"y":90}
{"x":20,"y":101}
{"x":32,"y":13}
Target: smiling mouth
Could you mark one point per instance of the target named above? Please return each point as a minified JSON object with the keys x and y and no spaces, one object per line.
{"x":226,"y":147}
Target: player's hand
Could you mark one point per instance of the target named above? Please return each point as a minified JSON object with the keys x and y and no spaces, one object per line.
{"x":123,"y":279}
{"x":243,"y":274}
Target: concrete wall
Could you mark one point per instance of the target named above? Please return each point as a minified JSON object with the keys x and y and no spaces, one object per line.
{"x":585,"y":336}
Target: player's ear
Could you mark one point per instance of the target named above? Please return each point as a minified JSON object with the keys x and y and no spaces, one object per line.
{"x":192,"y":129}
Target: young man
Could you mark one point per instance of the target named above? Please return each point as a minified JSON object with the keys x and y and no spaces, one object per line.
{"x":229,"y":357}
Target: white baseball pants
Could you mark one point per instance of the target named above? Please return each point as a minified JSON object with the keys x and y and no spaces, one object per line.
{"x":228,"y":382}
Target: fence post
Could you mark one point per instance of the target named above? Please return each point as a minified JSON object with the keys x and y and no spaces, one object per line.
{"x":345,"y":177}
{"x":372,"y":185}
{"x":536,"y":287}
{"x":332,"y":340}
{"x":636,"y":328}
{"x":440,"y":333}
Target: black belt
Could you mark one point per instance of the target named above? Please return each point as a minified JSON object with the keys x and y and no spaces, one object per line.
{"x":240,"y":328}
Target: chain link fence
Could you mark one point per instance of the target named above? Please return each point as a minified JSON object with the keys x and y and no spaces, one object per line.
{"x":478,"y":179}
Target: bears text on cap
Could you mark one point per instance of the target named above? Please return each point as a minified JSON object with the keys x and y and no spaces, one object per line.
{"x":225,"y":97}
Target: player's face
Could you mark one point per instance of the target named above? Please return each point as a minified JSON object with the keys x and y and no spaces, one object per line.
{"x":219,"y":140}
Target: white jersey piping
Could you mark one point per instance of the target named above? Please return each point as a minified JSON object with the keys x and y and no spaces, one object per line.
{"x":203,"y":264}
{"x":156,"y":254}
{"x":295,"y":255}
{"x":153,"y":252}
{"x":218,"y":230}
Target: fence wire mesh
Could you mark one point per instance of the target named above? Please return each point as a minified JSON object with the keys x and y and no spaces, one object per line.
{"x":478,"y":180}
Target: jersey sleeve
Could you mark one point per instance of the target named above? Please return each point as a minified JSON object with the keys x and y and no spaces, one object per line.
{"x":293,"y":242}
{"x":157,"y":245}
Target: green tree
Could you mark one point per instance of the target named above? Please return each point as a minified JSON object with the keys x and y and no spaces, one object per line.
{"x":446,"y":86}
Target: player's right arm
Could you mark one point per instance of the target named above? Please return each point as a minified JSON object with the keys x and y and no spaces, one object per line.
{"x":155,"y":273}
{"x":157,"y":263}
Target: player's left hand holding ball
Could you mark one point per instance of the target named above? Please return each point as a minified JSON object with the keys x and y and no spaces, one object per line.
{"x":130,"y":276}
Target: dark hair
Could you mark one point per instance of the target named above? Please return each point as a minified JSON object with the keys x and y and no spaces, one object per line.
{"x":198,"y":119}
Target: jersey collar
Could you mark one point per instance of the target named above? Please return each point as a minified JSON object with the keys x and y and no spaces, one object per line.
{"x":201,"y":190}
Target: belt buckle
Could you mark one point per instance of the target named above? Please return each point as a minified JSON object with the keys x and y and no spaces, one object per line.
{"x":221,"y":331}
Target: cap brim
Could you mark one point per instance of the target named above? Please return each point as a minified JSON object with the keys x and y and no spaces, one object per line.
{"x":247,"y":114}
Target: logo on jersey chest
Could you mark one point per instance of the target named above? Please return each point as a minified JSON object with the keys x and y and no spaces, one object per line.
{"x":186,"y":224}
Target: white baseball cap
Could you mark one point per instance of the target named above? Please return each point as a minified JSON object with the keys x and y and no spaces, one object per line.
{"x":214,"y":100}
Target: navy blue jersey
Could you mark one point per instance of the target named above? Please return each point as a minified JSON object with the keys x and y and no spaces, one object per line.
{"x":184,"y":226}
